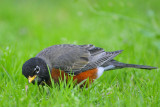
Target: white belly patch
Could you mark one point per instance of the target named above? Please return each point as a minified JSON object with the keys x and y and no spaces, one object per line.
{"x":100,"y":71}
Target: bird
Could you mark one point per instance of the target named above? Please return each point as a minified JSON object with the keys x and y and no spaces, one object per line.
{"x":80,"y":62}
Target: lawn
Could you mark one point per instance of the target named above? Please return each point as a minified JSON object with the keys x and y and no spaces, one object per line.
{"x":27,"y":27}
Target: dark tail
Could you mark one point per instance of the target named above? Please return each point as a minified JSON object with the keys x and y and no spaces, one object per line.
{"x":123,"y":65}
{"x":118,"y":65}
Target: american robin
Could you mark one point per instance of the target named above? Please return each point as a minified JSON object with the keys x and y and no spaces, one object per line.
{"x":78,"y":61}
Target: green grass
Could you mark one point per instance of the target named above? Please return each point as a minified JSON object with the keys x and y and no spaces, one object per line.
{"x":27,"y":27}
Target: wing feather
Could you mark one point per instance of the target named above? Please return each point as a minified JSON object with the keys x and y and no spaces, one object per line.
{"x":76,"y":58}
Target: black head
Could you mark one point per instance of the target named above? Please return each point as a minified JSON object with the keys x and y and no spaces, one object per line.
{"x":35,"y":69}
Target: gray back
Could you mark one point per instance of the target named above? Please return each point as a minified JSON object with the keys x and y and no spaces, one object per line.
{"x":75,"y":58}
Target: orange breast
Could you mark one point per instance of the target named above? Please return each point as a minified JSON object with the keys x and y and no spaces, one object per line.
{"x":90,"y":74}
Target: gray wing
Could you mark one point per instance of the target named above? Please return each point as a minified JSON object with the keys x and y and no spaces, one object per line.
{"x":76,"y":58}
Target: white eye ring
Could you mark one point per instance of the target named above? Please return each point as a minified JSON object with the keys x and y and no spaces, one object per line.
{"x":37,"y":69}
{"x":37,"y":72}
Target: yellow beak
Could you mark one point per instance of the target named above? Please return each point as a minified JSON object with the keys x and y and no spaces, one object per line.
{"x":30,"y":79}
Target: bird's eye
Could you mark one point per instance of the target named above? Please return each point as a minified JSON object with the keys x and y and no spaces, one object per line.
{"x":37,"y":69}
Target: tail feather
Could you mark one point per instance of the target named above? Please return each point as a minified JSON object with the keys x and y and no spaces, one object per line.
{"x":123,"y":65}
{"x":117,"y":65}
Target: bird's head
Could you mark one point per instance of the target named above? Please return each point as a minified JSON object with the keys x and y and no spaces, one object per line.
{"x":35,"y":69}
